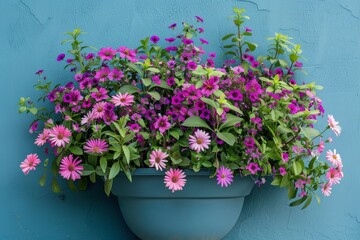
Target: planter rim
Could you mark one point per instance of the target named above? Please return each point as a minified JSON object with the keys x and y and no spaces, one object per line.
{"x":153,"y":171}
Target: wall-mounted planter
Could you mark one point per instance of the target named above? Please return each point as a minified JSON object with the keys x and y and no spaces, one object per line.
{"x":203,"y":210}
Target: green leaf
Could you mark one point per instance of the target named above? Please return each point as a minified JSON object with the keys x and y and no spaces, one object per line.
{"x":33,"y":110}
{"x":285,"y":181}
{"x":42,"y":180}
{"x":114,"y":170}
{"x":276,"y":181}
{"x":107,"y":186}
{"x":231,"y":120}
{"x":129,"y":89}
{"x":154,"y":70}
{"x":199,"y":71}
{"x":297,"y":168}
{"x":135,"y":68}
{"x":195,"y":121}
{"x":298,"y":202}
{"x":126,"y":151}
{"x":307,"y":203}
{"x":210,"y":102}
{"x":155,"y":95}
{"x":229,"y":138}
{"x":146,"y":81}
{"x":283,"y":63}
{"x":88,"y":169}
{"x":72,"y":186}
{"x":103,"y":164}
{"x":227,"y":36}
{"x":76,"y":150}
{"x":310,"y":132}
{"x":55,"y":186}
{"x":175,"y":134}
{"x":251,"y":46}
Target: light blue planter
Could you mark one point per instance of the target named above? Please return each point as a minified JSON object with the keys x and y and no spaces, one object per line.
{"x":203,"y":210}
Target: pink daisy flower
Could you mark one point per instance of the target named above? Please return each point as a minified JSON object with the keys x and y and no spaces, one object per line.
{"x":42,"y":137}
{"x":101,"y":94}
{"x":29,"y":163}
{"x":162,"y":124}
{"x":210,"y":86}
{"x":175,"y":179}
{"x":59,"y":136}
{"x":102,"y":74}
{"x":99,"y":109}
{"x":200,"y":141}
{"x":96,"y":146}
{"x":334,"y":176}
{"x":70,"y":168}
{"x":106,"y":53}
{"x":158,"y":159}
{"x":127,"y":53}
{"x":116,"y":74}
{"x":326,"y":189}
{"x":334,"y":158}
{"x":334,"y":125}
{"x":88,"y":118}
{"x":224,"y":176}
{"x":122,"y":99}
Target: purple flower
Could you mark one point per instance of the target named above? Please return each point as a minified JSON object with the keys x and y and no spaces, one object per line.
{"x":106,"y":53}
{"x":69,"y":60}
{"x":298,"y":64}
{"x":224,"y":176}
{"x":86,"y":103}
{"x":253,"y":168}
{"x":171,"y":64}
{"x":39,"y":72}
{"x":247,"y":29}
{"x":162,"y":124}
{"x":210,"y":86}
{"x":34,"y":127}
{"x":171,"y":48}
{"x":235,"y":95}
{"x":249,"y":142}
{"x":90,"y":56}
{"x":187,"y":41}
{"x":201,"y":30}
{"x":282,"y":171}
{"x":293,"y":108}
{"x":212,"y":55}
{"x":67,"y":98}
{"x":156,"y":79}
{"x":255,"y":64}
{"x":169,"y":39}
{"x":101,"y":94}
{"x":172,"y":26}
{"x":170,"y":81}
{"x":135,"y":127}
{"x":191,"y":66}
{"x":175,"y":100}
{"x":205,"y":114}
{"x":60,"y":57}
{"x":109,"y":117}
{"x":203,"y":41}
{"x":199,"y":19}
{"x":199,"y":105}
{"x":154,"y":39}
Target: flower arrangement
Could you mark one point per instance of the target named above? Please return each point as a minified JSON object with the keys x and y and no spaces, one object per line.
{"x":166,"y":108}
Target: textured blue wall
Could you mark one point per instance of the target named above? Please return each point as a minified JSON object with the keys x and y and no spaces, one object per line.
{"x":30,"y":33}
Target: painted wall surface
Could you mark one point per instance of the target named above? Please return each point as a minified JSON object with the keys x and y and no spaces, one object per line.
{"x":30,"y":36}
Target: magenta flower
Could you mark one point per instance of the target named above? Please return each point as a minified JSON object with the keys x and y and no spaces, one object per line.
{"x":156,"y":79}
{"x":30,"y":163}
{"x":191,"y":66}
{"x":199,"y":19}
{"x":285,"y":156}
{"x":253,"y":168}
{"x":170,"y":40}
{"x":334,"y":176}
{"x":224,"y":176}
{"x":172,"y":26}
{"x":154,"y":39}
{"x":162,"y":124}
{"x":102,"y":74}
{"x":59,"y":135}
{"x":334,"y":125}
{"x":199,"y":141}
{"x":170,"y":81}
{"x":210,"y":86}
{"x":293,"y":108}
{"x":106,"y":53}
{"x":96,"y":146}
{"x":203,"y":41}
{"x":39,"y":72}
{"x":116,"y":74}
{"x":99,"y":110}
{"x":235,"y":95}
{"x":89,"y":56}
{"x":282,"y":171}
{"x":128,"y":54}
{"x":70,"y":168}
{"x":88,"y":118}
{"x":247,"y":29}
{"x":34,"y":127}
{"x":123,"y":100}
{"x":212,"y":55}
{"x":158,"y":159}
{"x":187,"y":41}
{"x":101,"y":94}
{"x":175,"y":179}
{"x":60,"y":57}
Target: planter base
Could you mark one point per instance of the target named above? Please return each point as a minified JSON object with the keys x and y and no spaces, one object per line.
{"x":203,"y":210}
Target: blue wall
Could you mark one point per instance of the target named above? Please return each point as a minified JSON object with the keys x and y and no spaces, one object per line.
{"x":30,"y":33}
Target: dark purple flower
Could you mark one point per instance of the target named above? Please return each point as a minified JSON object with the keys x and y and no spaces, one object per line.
{"x":249,"y":142}
{"x":191,"y":66}
{"x":143,"y":57}
{"x":255,"y":64}
{"x":175,"y":100}
{"x":60,"y":57}
{"x":298,"y":64}
{"x":235,"y":95}
{"x":201,"y":30}
{"x":154,"y":39}
{"x":171,"y":48}
{"x":199,"y":105}
{"x":169,"y":39}
{"x":212,"y":55}
{"x":86,"y":103}
{"x":199,"y":19}
{"x":39,"y":72}
{"x":172,"y":26}
{"x":34,"y":127}
{"x":156,"y":79}
{"x":247,"y":29}
{"x":69,"y":85}
{"x":90,"y":56}
{"x":187,"y":41}
{"x":170,"y":81}
{"x":210,"y":63}
{"x":293,"y":108}
{"x":171,"y":64}
{"x":109,"y":117}
{"x":203,"y":41}
{"x":292,"y":82}
{"x":70,"y":60}
{"x":51,"y":96}
{"x":205,"y":114}
{"x":67,"y":98}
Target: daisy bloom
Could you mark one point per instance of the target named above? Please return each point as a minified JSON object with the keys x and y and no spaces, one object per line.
{"x":175,"y":179}
{"x":200,"y":141}
{"x":334,"y":176}
{"x":122,"y":99}
{"x":326,"y":189}
{"x":42,"y":137}
{"x":127,"y":53}
{"x":224,"y":176}
{"x":107,"y":53}
{"x":70,"y":168}
{"x":96,"y":146}
{"x":334,"y":125}
{"x":99,"y":109}
{"x":59,"y":135}
{"x":334,"y":158}
{"x":88,"y":118}
{"x":158,"y":159}
{"x":29,"y":163}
